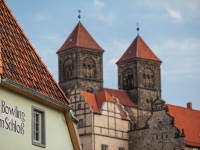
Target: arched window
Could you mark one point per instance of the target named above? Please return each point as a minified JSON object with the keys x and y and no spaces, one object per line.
{"x":128,"y":79}
{"x":90,"y":90}
{"x":69,"y":69}
{"x":89,"y":68}
{"x":148,"y":78}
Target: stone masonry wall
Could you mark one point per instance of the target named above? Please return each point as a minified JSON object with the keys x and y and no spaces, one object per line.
{"x":81,"y":67}
{"x":160,"y":134}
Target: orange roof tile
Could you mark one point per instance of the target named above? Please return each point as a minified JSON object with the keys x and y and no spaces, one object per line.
{"x":96,"y":101}
{"x":123,"y":97}
{"x":80,"y":37}
{"x":189,"y":120}
{"x":103,"y":96}
{"x":91,"y":100}
{"x":20,"y":61}
{"x":1,"y":63}
{"x":138,"y":49}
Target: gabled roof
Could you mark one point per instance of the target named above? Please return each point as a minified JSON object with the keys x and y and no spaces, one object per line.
{"x":19,"y":61}
{"x":80,"y":37}
{"x":158,"y":101}
{"x":103,"y":96}
{"x":91,"y":100}
{"x":122,"y":95}
{"x":138,"y":49}
{"x":96,"y":101}
{"x":189,"y":120}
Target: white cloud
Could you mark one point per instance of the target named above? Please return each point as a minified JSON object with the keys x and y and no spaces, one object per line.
{"x":102,"y":14}
{"x":174,"y":14}
{"x":182,"y":58}
{"x":179,"y":10}
{"x":99,"y":4}
{"x":109,"y":18}
{"x":112,"y":62}
{"x":40,"y":17}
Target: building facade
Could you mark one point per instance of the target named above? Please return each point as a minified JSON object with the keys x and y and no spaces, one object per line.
{"x":103,"y":123}
{"x":80,"y":64}
{"x":34,"y":111}
{"x":149,"y":122}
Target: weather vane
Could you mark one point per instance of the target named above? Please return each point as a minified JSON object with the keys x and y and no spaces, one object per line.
{"x":138,"y":27}
{"x":79,"y":16}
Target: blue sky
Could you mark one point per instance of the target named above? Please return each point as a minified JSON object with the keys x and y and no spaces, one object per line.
{"x":170,"y":28}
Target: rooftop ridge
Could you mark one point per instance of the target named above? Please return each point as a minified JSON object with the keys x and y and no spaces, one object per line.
{"x":182,"y":107}
{"x":80,"y":37}
{"x":138,"y":49}
{"x":22,"y":64}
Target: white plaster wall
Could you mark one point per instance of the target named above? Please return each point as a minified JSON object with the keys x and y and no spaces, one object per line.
{"x":57,"y":134}
{"x":113,"y":144}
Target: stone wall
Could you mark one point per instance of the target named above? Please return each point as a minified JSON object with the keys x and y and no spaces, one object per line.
{"x":158,"y":134}
{"x":81,"y":67}
{"x":142,"y":79}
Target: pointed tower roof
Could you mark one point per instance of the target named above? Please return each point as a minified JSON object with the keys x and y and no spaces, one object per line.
{"x":20,"y":63}
{"x":138,"y":49}
{"x":80,"y":37}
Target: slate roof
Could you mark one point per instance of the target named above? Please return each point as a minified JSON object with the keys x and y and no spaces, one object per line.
{"x":189,"y":120}
{"x":80,"y":37}
{"x":122,"y":95}
{"x":20,"y":62}
{"x":96,"y":101}
{"x":138,"y":49}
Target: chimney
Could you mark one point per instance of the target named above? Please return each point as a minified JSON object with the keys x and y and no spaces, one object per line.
{"x":189,"y":105}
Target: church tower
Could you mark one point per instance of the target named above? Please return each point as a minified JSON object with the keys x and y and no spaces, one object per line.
{"x":80,"y":62}
{"x":139,"y":73}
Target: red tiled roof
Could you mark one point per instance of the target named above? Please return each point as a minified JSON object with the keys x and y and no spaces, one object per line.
{"x":1,"y":63}
{"x":123,"y":97}
{"x":96,"y":101}
{"x":80,"y":37}
{"x":103,"y":96}
{"x":91,"y":100}
{"x":189,"y":120}
{"x":20,"y":61}
{"x":138,"y":49}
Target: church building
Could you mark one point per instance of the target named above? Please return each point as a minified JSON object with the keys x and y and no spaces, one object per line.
{"x":132,"y":117}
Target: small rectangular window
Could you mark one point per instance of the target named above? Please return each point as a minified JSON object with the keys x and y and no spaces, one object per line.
{"x":38,"y":127}
{"x":80,"y":123}
{"x":79,"y":106}
{"x":164,"y":135}
{"x":155,"y":137}
{"x":104,"y":147}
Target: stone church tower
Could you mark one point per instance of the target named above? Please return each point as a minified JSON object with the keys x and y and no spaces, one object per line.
{"x":80,"y":62}
{"x":139,"y":73}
